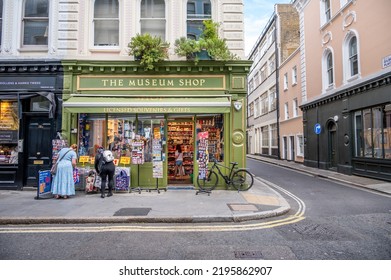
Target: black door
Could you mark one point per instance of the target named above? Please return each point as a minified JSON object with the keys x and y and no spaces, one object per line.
{"x":333,"y":145}
{"x":38,"y":145}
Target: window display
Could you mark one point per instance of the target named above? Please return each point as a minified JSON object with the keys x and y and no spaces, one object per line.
{"x":372,"y":132}
{"x":119,"y":133}
{"x":9,"y":129}
{"x":215,"y":128}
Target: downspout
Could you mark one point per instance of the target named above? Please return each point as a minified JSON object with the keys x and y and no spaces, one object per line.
{"x":277,"y":88}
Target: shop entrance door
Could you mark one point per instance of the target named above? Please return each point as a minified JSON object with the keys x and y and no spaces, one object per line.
{"x":38,"y":148}
{"x":180,"y":137}
{"x":333,"y":145}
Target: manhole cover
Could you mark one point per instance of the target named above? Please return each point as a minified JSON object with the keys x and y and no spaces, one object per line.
{"x":242,"y":207}
{"x":248,"y":255}
{"x":132,"y":212}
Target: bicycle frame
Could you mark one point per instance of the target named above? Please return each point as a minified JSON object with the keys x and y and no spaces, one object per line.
{"x":226,"y":178}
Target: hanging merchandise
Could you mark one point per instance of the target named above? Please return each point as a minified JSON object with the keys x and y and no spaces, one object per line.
{"x":137,"y":151}
{"x":203,"y":158}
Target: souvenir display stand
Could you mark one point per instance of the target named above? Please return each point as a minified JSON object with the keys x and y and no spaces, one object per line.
{"x":137,"y":159}
{"x":157,"y":171}
{"x":203,"y":158}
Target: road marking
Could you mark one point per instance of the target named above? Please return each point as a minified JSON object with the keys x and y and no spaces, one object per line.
{"x":147,"y":228}
{"x":297,"y":217}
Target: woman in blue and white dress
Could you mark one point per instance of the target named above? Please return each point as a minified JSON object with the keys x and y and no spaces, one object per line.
{"x":63,"y":184}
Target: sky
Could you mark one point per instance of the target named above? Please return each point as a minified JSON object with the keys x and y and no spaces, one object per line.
{"x":256,"y":15}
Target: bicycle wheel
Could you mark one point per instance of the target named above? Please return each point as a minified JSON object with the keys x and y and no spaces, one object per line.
{"x":242,"y":180}
{"x":208,"y":183}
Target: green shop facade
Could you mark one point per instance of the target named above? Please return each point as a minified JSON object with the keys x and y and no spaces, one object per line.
{"x":145,"y":116}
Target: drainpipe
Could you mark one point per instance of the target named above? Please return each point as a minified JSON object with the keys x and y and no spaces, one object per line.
{"x":277,"y":88}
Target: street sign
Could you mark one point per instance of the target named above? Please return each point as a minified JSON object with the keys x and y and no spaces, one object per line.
{"x":317,"y":128}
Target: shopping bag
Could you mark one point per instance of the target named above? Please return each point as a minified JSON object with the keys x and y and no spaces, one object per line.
{"x":98,"y":182}
{"x":90,"y":181}
{"x":76,"y":176}
{"x":122,"y":181}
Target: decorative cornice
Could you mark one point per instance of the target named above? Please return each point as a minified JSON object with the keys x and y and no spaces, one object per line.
{"x":30,"y":67}
{"x":375,"y":83}
{"x":167,"y":67}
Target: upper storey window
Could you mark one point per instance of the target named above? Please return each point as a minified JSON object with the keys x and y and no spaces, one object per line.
{"x":353,"y":60}
{"x":325,"y":11}
{"x":328,"y":70}
{"x":153,"y":18}
{"x":197,"y":12}
{"x":106,"y":23}
{"x":35,"y":22}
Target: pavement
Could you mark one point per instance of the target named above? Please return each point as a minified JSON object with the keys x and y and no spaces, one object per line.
{"x":174,"y":205}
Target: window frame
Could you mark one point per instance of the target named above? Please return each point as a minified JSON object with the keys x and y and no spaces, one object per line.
{"x":148,"y":19}
{"x":328,"y":73}
{"x":286,"y":81}
{"x":198,"y":18}
{"x":347,"y":63}
{"x":294,"y":75}
{"x":295,"y":105}
{"x":24,"y":19}
{"x":93,"y":20}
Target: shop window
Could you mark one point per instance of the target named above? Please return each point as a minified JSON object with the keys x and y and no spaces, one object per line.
{"x":106,"y":23}
{"x":39,"y":104}
{"x":197,"y":12}
{"x":372,"y":132}
{"x":119,"y":133}
{"x":153,"y":18}
{"x":9,"y":128}
{"x":214,"y":125}
{"x":35,"y":22}
{"x":149,"y":129}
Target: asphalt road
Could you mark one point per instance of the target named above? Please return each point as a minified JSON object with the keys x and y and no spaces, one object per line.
{"x":340,"y":223}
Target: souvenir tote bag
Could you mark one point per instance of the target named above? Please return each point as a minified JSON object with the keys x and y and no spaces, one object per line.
{"x":90,"y":181}
{"x":76,"y":175}
{"x":122,"y":181}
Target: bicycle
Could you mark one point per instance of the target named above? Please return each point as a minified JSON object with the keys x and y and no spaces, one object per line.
{"x":241,"y":179}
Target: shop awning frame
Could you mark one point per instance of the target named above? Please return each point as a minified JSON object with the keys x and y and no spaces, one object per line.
{"x":148,"y":104}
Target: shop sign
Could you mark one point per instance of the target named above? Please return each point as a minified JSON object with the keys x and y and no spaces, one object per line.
{"x":386,"y":61}
{"x":201,"y":82}
{"x":8,"y":136}
{"x":124,"y":160}
{"x":24,"y":83}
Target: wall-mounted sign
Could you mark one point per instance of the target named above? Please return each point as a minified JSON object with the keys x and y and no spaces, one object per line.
{"x":175,"y":82}
{"x":317,"y":128}
{"x":28,"y":82}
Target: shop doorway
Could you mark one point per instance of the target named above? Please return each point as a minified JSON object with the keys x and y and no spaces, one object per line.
{"x":38,"y":147}
{"x":180,"y":151}
{"x":332,"y":145}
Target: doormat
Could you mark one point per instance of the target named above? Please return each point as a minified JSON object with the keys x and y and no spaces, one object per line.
{"x":132,"y":212}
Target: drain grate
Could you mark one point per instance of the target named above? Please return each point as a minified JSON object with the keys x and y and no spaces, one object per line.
{"x":132,"y":212}
{"x":248,"y":255}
